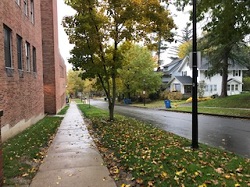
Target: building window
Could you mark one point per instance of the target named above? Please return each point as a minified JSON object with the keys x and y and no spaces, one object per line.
{"x":236,"y":87}
{"x":187,"y":89}
{"x":236,"y":73}
{"x":34,"y":59}
{"x":62,"y":72}
{"x":184,"y":73}
{"x":32,"y":16}
{"x":18,"y":2}
{"x":206,"y":88}
{"x":211,"y":88}
{"x":25,"y":4}
{"x":228,"y":87}
{"x":177,"y":87}
{"x":19,"y":52}
{"x":215,"y":87}
{"x":232,"y":87}
{"x":27,"y":55}
{"x":7,"y":47}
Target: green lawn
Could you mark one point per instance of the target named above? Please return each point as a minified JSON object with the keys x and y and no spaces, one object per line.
{"x":64,"y":110}
{"x":236,"y":105}
{"x":23,"y":153}
{"x":148,"y":156}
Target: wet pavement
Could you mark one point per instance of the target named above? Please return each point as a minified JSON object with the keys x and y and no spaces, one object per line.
{"x":231,"y":134}
{"x":73,"y":159}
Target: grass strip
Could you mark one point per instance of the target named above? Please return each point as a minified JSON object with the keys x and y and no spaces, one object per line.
{"x":234,"y":112}
{"x":153,"y":157}
{"x":23,"y":153}
{"x":64,"y":110}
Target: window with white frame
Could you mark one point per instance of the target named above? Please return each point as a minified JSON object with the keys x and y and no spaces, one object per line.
{"x":32,"y":8}
{"x":211,"y":88}
{"x":232,"y":87}
{"x":18,"y":2}
{"x":25,"y":6}
{"x":236,"y":73}
{"x":228,"y":87}
{"x":206,"y":88}
{"x":236,"y":87}
{"x":215,"y":87}
{"x":27,"y":55}
{"x":7,"y":46}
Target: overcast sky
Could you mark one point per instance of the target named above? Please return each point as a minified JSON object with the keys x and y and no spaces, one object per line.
{"x":180,"y":19}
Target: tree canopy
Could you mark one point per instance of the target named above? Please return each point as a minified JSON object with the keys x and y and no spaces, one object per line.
{"x":99,"y":26}
{"x":137,"y":73}
{"x":227,"y":24}
{"x":74,"y":82}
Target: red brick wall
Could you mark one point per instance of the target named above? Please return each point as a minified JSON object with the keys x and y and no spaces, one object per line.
{"x":1,"y":153}
{"x":21,"y":98}
{"x":54,"y":84}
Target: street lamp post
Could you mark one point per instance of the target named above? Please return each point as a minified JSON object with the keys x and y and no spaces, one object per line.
{"x":144,"y":92}
{"x":194,"y":84}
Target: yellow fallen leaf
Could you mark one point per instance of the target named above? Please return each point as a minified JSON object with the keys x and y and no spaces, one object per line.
{"x":125,"y":185}
{"x":227,"y":176}
{"x":203,"y":185}
{"x":25,"y":174}
{"x":139,"y":181}
{"x":164,"y":175}
{"x":237,"y":185}
{"x":219,"y":170}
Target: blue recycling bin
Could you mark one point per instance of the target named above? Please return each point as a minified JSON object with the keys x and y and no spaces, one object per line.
{"x":167,"y":103}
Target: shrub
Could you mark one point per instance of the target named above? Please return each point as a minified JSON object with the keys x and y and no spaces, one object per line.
{"x":246,"y":83}
{"x":171,"y":95}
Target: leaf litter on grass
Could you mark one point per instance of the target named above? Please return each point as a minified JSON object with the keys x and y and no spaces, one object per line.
{"x":139,"y":154}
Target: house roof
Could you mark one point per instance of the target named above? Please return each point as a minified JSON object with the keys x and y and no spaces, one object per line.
{"x":172,"y":66}
{"x":185,"y":80}
{"x":232,"y":65}
{"x":234,"y":80}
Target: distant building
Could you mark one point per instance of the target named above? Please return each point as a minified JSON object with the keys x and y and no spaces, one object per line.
{"x":178,"y":76}
{"x":32,"y":71}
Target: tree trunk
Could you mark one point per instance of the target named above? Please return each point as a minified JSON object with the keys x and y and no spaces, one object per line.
{"x":224,"y":77}
{"x":111,"y":110}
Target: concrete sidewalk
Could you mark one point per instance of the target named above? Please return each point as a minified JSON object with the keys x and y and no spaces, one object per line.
{"x":72,"y":159}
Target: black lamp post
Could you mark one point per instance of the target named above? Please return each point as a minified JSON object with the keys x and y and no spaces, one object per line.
{"x":194,"y":84}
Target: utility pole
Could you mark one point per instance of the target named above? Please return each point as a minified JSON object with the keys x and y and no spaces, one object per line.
{"x":194,"y":84}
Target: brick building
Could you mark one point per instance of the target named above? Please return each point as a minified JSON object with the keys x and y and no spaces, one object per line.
{"x":32,"y":71}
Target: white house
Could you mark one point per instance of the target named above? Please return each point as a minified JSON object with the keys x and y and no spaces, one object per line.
{"x":181,"y":78}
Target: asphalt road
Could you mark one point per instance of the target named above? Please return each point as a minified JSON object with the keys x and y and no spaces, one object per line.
{"x":231,"y":134}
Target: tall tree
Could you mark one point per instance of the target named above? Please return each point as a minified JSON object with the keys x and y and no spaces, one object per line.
{"x":99,"y":26}
{"x":138,"y":73}
{"x":227,"y":24}
{"x":74,"y":82}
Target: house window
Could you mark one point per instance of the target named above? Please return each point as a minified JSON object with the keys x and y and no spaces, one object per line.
{"x":215,"y":87}
{"x":236,"y":87}
{"x":32,"y":16}
{"x":19,"y":52}
{"x":27,"y":55}
{"x":177,"y":87}
{"x":187,"y":88}
{"x":25,"y":5}
{"x":211,"y":88}
{"x":184,"y":73}
{"x":206,"y":88}
{"x":18,"y":2}
{"x":34,"y":59}
{"x":7,"y":47}
{"x":236,"y":73}
{"x":228,"y":87}
{"x":232,"y":87}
